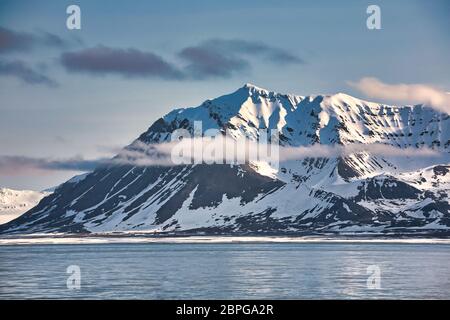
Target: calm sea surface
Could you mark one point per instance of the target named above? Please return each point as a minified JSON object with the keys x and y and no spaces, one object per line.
{"x":226,"y":271}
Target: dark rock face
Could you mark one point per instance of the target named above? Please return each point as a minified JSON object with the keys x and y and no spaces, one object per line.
{"x":345,"y":170}
{"x":108,"y":190}
{"x":386,"y":188}
{"x":212,"y":182}
{"x":441,"y":170}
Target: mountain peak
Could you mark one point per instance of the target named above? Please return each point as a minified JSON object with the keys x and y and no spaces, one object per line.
{"x":305,"y":120}
{"x":253,"y":88}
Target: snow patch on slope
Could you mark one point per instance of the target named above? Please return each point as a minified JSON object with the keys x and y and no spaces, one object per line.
{"x":14,"y":203}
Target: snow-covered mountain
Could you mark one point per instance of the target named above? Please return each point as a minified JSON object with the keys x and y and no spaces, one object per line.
{"x":14,"y":203}
{"x":359,"y":192}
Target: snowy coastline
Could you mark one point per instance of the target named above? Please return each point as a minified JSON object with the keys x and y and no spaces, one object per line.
{"x":70,"y":239}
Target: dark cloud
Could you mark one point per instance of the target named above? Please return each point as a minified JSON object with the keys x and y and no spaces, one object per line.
{"x":13,"y":41}
{"x":253,"y":48}
{"x":52,"y":40}
{"x":206,"y":62}
{"x":223,"y":58}
{"x":22,"y":71}
{"x":126,"y":62}
{"x":17,"y":165}
{"x":213,"y":58}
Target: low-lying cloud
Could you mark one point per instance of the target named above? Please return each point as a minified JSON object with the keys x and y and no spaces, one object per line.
{"x":221,"y":150}
{"x":19,"y":165}
{"x":228,"y":150}
{"x":404,"y":93}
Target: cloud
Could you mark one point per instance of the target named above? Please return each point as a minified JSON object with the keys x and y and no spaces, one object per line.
{"x":18,"y":165}
{"x":198,"y":150}
{"x":22,"y":71}
{"x":13,"y":41}
{"x":52,"y":40}
{"x":215,"y":58}
{"x":204,"y":63}
{"x":228,"y":150}
{"x":236,"y":46}
{"x":404,"y":93}
{"x":223,"y":58}
{"x":131,"y":62}
{"x":376,"y":149}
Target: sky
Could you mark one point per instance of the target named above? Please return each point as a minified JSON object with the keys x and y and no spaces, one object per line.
{"x":81,"y":94}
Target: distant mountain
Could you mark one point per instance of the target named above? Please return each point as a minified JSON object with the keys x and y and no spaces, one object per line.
{"x":14,"y":203}
{"x":359,"y":193}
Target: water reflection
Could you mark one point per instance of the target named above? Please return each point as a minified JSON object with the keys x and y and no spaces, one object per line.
{"x":225,"y":271}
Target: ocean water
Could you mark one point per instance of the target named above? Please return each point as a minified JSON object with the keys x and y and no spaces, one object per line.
{"x":226,"y":271}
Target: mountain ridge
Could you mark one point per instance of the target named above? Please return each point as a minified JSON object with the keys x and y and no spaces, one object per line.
{"x":362,"y":192}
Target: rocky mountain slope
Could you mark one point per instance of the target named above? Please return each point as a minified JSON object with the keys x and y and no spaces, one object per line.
{"x":361,"y":192}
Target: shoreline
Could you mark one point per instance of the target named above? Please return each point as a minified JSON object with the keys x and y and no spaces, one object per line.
{"x":114,"y":239}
